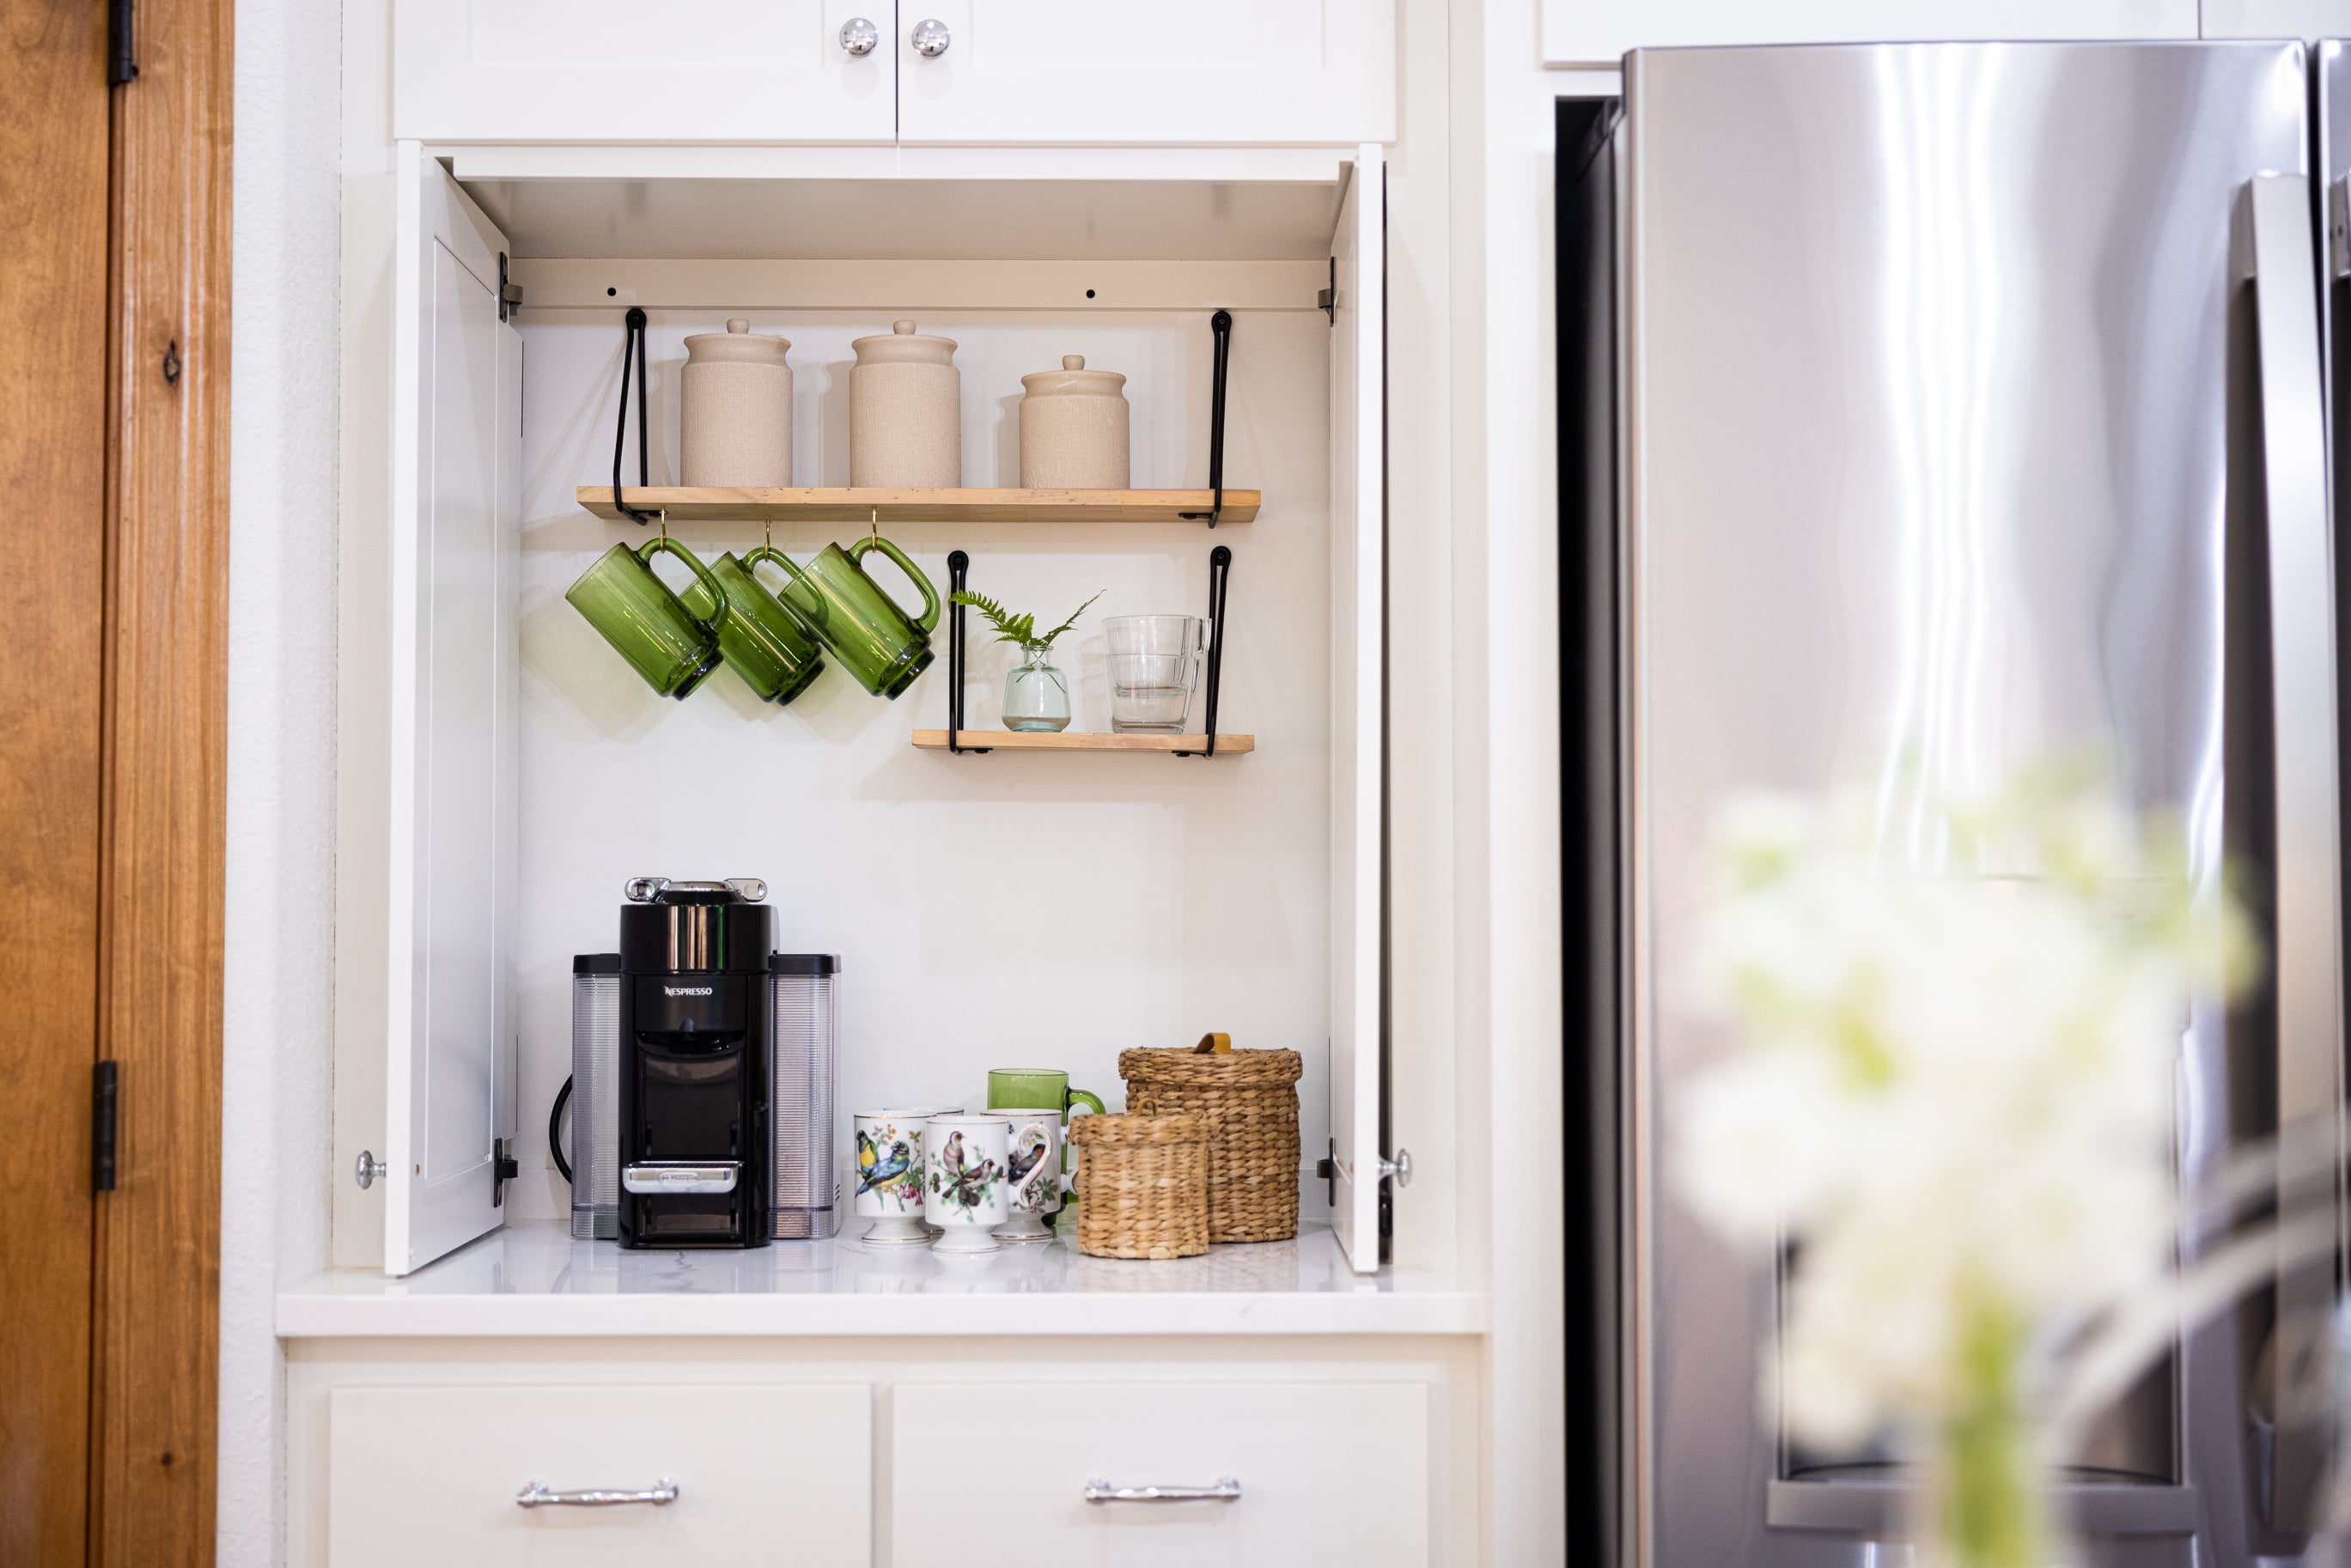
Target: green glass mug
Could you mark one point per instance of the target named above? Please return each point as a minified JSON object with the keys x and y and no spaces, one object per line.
{"x":649,"y":625}
{"x":761,"y":641}
{"x":867,"y":633}
{"x":1017,"y":1088}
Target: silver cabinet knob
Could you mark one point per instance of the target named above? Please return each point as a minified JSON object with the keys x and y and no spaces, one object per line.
{"x":1400,"y":1168}
{"x":369,"y":1169}
{"x":859,"y":35}
{"x":931,"y":38}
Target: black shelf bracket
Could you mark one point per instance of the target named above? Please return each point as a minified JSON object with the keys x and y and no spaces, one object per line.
{"x":1220,"y":576}
{"x":633,"y":329}
{"x":959,"y":578}
{"x":1221,"y":324}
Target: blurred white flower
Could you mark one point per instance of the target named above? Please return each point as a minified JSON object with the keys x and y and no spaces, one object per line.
{"x":1954,"y":1091}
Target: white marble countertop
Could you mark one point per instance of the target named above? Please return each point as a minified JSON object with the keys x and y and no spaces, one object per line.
{"x":532,"y":1279}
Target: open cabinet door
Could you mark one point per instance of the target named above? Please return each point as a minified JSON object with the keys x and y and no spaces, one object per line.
{"x":455,"y":559}
{"x":1358,"y":702}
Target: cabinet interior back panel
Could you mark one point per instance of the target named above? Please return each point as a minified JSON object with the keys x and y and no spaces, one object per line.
{"x":1002,"y":911}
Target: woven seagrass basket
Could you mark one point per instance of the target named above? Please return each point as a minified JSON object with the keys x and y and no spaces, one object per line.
{"x":1143,"y":1185}
{"x":1249,"y":1100}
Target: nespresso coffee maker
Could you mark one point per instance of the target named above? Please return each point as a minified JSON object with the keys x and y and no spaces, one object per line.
{"x":694,"y":1100}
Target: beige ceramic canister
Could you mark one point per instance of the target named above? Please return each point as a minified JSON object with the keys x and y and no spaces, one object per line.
{"x":905,"y":411}
{"x":735,"y":409}
{"x":1074,"y":429}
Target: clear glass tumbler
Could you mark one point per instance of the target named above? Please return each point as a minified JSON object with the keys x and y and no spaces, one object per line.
{"x":1155,"y":663}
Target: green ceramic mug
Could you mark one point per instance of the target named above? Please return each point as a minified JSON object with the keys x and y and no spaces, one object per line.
{"x":671,"y":647}
{"x":762,"y":641}
{"x":869,"y":635}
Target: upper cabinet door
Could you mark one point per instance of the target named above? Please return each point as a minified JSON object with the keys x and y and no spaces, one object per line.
{"x":1248,"y":72}
{"x":616,"y":70}
{"x":453,"y":570}
{"x":1359,"y":518}
{"x":1600,"y":32}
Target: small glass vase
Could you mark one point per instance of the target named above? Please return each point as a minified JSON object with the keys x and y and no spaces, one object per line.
{"x":1036,"y":695}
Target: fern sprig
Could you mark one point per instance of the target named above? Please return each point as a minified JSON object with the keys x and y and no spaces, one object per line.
{"x":1022,"y":628}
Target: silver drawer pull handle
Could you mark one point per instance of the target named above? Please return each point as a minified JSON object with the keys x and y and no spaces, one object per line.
{"x":538,"y":1495}
{"x":1227,"y":1490}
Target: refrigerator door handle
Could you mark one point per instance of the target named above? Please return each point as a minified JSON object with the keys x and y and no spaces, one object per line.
{"x":2306,"y":964}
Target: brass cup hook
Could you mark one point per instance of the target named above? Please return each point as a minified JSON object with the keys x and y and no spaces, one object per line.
{"x":665,"y":524}
{"x":873,"y":525}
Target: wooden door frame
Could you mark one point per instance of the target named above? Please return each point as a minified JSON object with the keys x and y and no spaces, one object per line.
{"x":154,"y":1387}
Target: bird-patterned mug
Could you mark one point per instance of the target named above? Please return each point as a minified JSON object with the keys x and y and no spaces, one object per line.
{"x":890,"y":1178}
{"x":964,"y":1159}
{"x":1032,"y":1173}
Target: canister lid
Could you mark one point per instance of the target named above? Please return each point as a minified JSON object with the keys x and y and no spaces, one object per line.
{"x":902,"y":345}
{"x":738,"y":345}
{"x":595,"y":963}
{"x":1074,"y":379}
{"x":803,"y":964}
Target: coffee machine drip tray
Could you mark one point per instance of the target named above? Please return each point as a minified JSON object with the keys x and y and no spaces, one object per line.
{"x":682,"y":1176}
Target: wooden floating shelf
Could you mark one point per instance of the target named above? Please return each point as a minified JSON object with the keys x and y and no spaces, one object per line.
{"x":712,"y":505}
{"x":1078,"y":740}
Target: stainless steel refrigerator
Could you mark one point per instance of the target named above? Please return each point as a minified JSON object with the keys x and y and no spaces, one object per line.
{"x":1927,"y":409}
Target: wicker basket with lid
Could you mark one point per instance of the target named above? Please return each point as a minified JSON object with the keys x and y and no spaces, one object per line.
{"x":1143,"y":1185}
{"x":1249,"y":1100}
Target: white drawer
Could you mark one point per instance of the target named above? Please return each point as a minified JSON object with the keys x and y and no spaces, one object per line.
{"x":1329,"y":1472}
{"x":428,"y":1476}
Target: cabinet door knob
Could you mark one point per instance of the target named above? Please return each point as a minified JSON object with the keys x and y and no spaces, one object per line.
{"x":931,"y":38}
{"x":858,"y":36}
{"x":367,"y":1170}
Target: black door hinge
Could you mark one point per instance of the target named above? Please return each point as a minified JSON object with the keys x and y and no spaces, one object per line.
{"x":104,"y":1086}
{"x":1328,"y":1170}
{"x":504,"y":1167}
{"x":121,"y":52}
{"x":1326,"y":300}
{"x":509,"y":294}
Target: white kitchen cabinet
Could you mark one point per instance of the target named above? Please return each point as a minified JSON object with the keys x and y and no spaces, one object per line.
{"x":1256,"y":72}
{"x":1313,"y":1472}
{"x":614,"y":71}
{"x":1600,"y":32}
{"x":862,"y":1451}
{"x":432,"y":1475}
{"x":508,"y":835}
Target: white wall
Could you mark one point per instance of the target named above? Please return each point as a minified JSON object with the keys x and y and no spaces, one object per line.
{"x":278,"y":980}
{"x":1015,"y":910}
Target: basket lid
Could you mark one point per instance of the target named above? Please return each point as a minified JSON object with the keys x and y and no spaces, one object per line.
{"x":1266,"y":1069}
{"x":1130,"y":1128}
